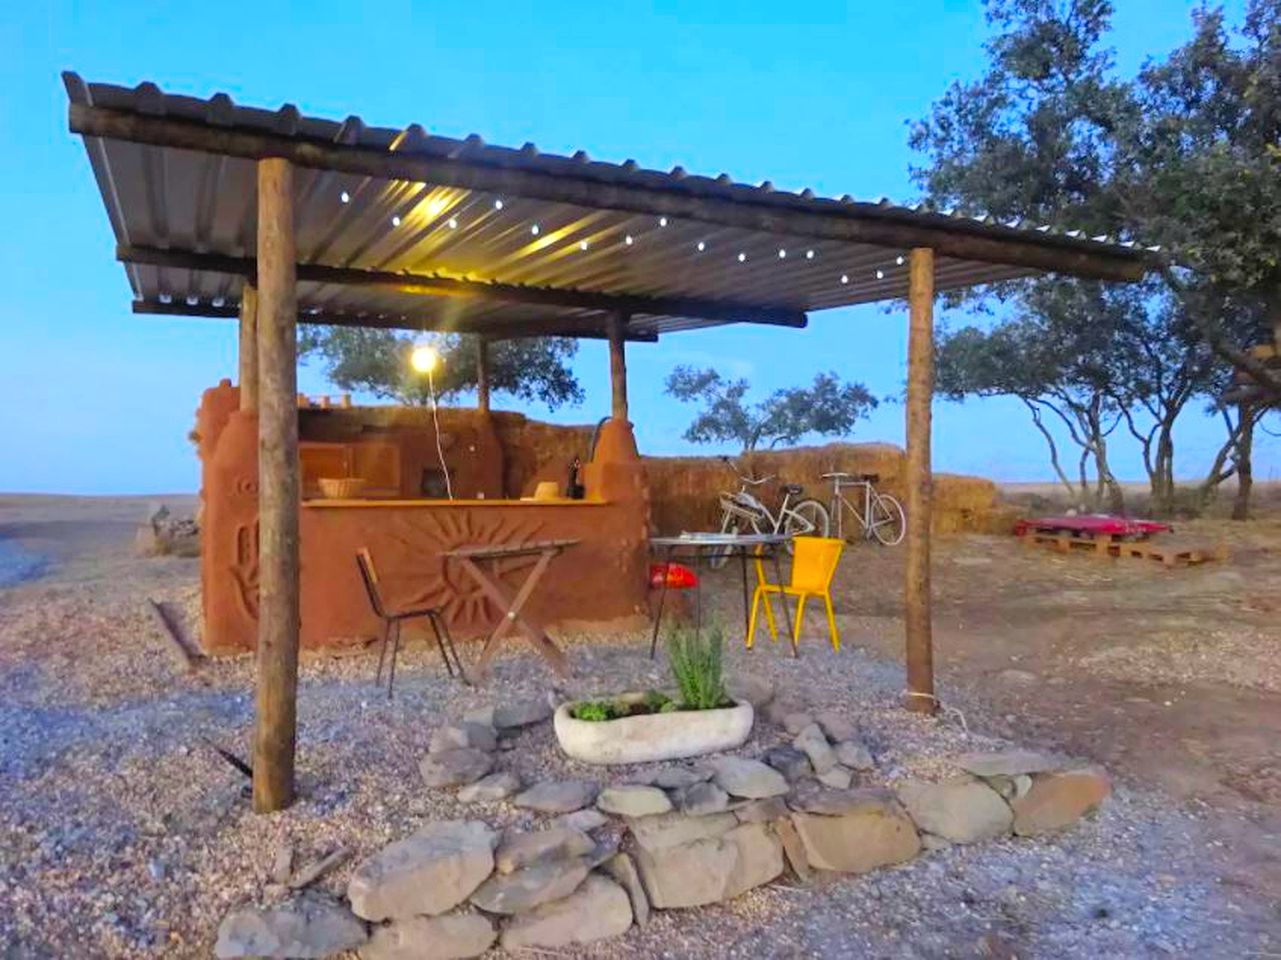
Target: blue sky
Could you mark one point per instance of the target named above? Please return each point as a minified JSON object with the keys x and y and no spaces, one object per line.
{"x":815,"y":94}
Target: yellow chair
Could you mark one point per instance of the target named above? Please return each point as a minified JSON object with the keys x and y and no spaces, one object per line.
{"x":813,"y":567}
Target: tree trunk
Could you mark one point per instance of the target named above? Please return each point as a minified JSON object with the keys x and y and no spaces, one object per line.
{"x":1245,"y":466}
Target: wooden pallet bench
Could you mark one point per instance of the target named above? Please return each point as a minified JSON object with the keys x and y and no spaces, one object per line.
{"x":1105,"y":545}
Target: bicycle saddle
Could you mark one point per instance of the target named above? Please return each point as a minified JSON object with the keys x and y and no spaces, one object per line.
{"x":793,"y":488}
{"x":860,"y":477}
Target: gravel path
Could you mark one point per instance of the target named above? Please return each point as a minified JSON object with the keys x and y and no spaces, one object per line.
{"x":123,"y":835}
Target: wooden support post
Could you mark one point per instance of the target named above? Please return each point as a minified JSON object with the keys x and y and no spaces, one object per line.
{"x":618,"y":365}
{"x":482,"y":374}
{"x":278,"y":491}
{"x":920,"y":389}
{"x":249,"y":347}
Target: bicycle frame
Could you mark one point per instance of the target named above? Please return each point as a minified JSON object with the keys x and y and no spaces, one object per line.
{"x":839,"y":499}
{"x":746,"y":505}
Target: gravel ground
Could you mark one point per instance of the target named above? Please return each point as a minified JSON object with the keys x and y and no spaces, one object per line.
{"x":123,"y":835}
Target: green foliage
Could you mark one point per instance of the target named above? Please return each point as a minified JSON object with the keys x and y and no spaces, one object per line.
{"x":377,"y":361}
{"x":657,"y":702}
{"x":828,"y":407}
{"x":695,"y":661}
{"x":1183,"y":155}
{"x":596,"y":711}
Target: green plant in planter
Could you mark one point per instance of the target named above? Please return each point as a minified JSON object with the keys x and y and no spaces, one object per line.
{"x":595,"y":710}
{"x":696,"y":666}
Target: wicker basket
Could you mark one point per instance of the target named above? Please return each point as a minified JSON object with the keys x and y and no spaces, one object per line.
{"x":341,"y":488}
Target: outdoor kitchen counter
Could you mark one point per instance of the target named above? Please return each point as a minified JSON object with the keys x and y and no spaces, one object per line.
{"x":438,"y":502}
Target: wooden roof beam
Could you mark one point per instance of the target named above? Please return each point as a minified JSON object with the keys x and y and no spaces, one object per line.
{"x":515,"y":330}
{"x":852,"y":225}
{"x":721,"y":311}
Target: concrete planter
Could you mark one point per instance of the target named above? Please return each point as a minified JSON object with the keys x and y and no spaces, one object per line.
{"x":654,"y":736}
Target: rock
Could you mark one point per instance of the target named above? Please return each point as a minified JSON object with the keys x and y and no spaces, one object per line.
{"x":307,"y":926}
{"x":962,"y":811}
{"x":496,"y":786}
{"x":794,"y":723}
{"x":482,"y":715}
{"x":752,"y":779}
{"x":451,"y":937}
{"x":812,"y":742}
{"x":430,"y":872}
{"x":463,"y":735}
{"x":1057,"y":800}
{"x":526,"y":849}
{"x":623,"y":870}
{"x":788,"y":761}
{"x":674,"y":778}
{"x":779,"y":708}
{"x":531,"y":886}
{"x":874,"y":835}
{"x":523,"y":713}
{"x":835,"y":726}
{"x":710,"y":869}
{"x":674,"y":829}
{"x":812,"y":798}
{"x":758,"y":691}
{"x":633,"y":800}
{"x":1010,"y":787}
{"x":1007,"y":763}
{"x":700,"y":799}
{"x":452,"y":768}
{"x":599,"y":909}
{"x":282,"y":863}
{"x":558,"y":796}
{"x":838,"y":778}
{"x":762,"y":811}
{"x":793,"y":849}
{"x":932,"y":843}
{"x":855,"y":755}
{"x":584,"y":820}
{"x":603,"y":851}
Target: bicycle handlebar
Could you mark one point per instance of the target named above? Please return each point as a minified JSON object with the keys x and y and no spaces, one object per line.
{"x":750,"y":481}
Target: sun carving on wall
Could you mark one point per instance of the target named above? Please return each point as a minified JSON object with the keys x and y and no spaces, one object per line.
{"x":441,"y":582}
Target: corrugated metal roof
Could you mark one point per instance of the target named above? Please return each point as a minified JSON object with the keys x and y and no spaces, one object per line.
{"x":172,"y":199}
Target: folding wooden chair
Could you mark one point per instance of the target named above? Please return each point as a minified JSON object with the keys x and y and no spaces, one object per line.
{"x":813,"y":567}
{"x":393,"y":619}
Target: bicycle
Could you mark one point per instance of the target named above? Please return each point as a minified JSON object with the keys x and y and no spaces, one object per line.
{"x":882,"y":516}
{"x":743,"y":512}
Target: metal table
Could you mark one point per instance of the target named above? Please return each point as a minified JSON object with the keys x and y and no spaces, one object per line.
{"x":695,"y":547}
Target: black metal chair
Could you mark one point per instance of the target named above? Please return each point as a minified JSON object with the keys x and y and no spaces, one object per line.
{"x":392,"y":621}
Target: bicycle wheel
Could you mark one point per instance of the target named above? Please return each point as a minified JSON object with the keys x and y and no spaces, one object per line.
{"x":807,"y":519}
{"x":887,"y":522}
{"x":719,"y":556}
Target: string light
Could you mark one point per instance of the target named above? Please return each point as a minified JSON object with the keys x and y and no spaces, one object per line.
{"x":701,"y":246}
{"x":742,"y":258}
{"x":662,"y":221}
{"x":453,"y":223}
{"x":782,"y":254}
{"x":809,"y":254}
{"x":582,"y":245}
{"x":845,"y":278}
{"x":395,"y":221}
{"x":345,"y":197}
{"x":534,"y":229}
{"x":899,"y":260}
{"x":628,"y":240}
{"x":880,"y":274}
{"x":498,"y":204}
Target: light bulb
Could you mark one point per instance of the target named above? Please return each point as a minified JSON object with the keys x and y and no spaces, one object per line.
{"x":742,"y":258}
{"x":628,"y":240}
{"x":498,"y":204}
{"x":424,"y":358}
{"x":534,"y":229}
{"x":809,"y":254}
{"x":845,"y":278}
{"x":880,"y":274}
{"x":453,"y":223}
{"x":899,"y":261}
{"x":582,"y":245}
{"x":395,"y":221}
{"x":701,"y":246}
{"x":345,"y":197}
{"x":782,"y":254}
{"x":662,"y":221}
